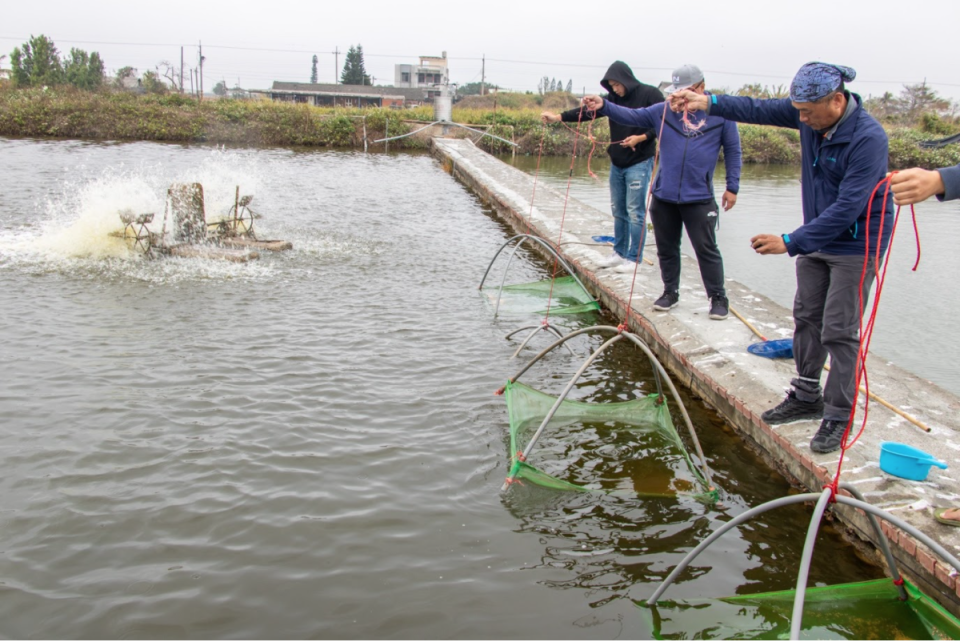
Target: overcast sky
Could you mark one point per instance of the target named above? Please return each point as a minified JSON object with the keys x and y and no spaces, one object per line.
{"x":734,"y":42}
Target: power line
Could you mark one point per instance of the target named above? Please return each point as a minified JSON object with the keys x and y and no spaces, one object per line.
{"x":563,"y":65}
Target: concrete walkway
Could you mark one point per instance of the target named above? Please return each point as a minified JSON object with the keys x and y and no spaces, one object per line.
{"x":710,"y":358}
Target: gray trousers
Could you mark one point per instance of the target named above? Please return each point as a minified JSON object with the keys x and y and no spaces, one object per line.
{"x":827,"y":312}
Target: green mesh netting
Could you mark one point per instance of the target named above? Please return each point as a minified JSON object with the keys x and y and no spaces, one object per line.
{"x":625,"y":447}
{"x":567,"y":296}
{"x":868,"y":610}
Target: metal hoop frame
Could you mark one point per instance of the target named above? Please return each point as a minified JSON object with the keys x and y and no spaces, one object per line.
{"x":660,"y":375}
{"x":823,"y":499}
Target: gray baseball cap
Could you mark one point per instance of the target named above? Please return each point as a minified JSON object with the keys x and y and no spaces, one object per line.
{"x":684,"y":77}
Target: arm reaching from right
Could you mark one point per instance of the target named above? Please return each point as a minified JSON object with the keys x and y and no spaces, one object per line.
{"x":914,"y":185}
{"x":686,"y":100}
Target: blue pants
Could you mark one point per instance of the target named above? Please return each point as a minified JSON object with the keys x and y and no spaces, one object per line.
{"x":628,"y":196}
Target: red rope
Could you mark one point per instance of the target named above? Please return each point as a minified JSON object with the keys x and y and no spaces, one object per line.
{"x":643,"y":232}
{"x":866,"y":329}
{"x":563,"y":216}
{"x":533,"y":196}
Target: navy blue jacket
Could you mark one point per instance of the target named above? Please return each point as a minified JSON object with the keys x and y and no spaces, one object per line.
{"x":838,"y":175}
{"x":687,"y":161}
{"x":951,"y":183}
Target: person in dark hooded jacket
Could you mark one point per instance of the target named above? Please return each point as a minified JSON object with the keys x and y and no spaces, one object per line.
{"x":631,"y":163}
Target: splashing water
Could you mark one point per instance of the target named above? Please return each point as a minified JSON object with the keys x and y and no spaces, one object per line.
{"x":74,"y":227}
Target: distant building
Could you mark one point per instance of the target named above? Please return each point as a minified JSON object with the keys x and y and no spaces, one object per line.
{"x":430,"y":74}
{"x":322,"y":95}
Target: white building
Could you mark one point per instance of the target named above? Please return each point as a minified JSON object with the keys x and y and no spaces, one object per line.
{"x":431,"y":72}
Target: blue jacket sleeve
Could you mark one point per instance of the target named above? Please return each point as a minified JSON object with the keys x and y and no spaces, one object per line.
{"x":868,"y":160}
{"x":732,"y":155}
{"x":774,"y":111}
{"x":648,"y":117}
{"x":951,"y":181}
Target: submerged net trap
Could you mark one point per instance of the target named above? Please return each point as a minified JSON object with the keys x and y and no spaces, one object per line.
{"x":871,"y":610}
{"x":634,"y":447}
{"x":622,"y":447}
{"x":568,"y":296}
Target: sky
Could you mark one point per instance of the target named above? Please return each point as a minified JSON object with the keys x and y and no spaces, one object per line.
{"x":512,"y":44}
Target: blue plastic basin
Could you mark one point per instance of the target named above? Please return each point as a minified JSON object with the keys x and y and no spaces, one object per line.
{"x":906,"y":461}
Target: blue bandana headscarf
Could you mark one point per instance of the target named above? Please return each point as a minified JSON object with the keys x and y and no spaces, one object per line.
{"x":817,"y":79}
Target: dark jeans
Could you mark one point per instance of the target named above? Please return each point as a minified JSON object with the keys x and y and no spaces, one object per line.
{"x":827,"y":312}
{"x":701,"y":220}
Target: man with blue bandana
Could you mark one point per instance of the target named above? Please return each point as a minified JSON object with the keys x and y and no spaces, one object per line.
{"x":844,"y":155}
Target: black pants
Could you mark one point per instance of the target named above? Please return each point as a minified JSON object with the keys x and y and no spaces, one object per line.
{"x":701,"y":220}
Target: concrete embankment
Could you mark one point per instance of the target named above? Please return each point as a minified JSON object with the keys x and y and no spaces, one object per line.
{"x":710,"y":358}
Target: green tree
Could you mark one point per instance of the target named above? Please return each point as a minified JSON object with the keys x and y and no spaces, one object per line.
{"x":152,"y":84}
{"x":36,"y":63}
{"x":473,"y":88}
{"x":83,"y":71}
{"x":220,"y":89}
{"x":353,"y":69}
{"x":123,"y":74}
{"x":313,"y":70}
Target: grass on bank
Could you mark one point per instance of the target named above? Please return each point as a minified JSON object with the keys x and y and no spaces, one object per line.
{"x":110,"y":115}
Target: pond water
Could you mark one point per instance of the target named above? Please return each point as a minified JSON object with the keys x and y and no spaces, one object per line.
{"x":309,"y":445}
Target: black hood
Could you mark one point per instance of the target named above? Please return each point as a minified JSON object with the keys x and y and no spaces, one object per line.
{"x":621,"y":72}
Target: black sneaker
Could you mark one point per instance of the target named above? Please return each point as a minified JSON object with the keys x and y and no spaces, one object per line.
{"x":829,"y":436}
{"x":667,"y":301}
{"x":719,"y":307}
{"x":792,"y":409}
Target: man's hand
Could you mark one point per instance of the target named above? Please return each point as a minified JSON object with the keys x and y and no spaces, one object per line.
{"x":728,"y":200}
{"x":768,"y":244}
{"x":914,"y":185}
{"x":549,"y":117}
{"x":688,"y":100}
{"x":593,"y":103}
{"x":633,"y":141}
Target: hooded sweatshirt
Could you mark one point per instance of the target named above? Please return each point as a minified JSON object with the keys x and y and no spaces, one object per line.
{"x":637,"y":95}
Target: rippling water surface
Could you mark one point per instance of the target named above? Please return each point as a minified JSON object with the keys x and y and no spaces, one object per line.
{"x":309,"y":445}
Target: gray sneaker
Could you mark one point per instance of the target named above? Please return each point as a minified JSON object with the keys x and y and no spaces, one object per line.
{"x":667,"y":301}
{"x":829,"y":436}
{"x":719,"y":307}
{"x":792,"y":409}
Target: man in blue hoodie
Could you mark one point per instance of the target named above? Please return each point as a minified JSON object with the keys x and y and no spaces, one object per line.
{"x":631,"y":163}
{"x":911,"y":186}
{"x":683,"y":194}
{"x":844,"y":156}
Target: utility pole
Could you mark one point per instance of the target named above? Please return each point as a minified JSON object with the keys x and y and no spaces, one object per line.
{"x":336,"y":65}
{"x":483,"y":75}
{"x":181,"y":71}
{"x":201,"y":72}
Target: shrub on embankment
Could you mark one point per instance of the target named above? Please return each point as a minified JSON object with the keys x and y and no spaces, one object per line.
{"x":110,"y":115}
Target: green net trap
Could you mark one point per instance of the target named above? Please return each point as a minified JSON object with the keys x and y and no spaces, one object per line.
{"x":566,"y":296}
{"x":627,"y":447}
{"x":868,"y":610}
